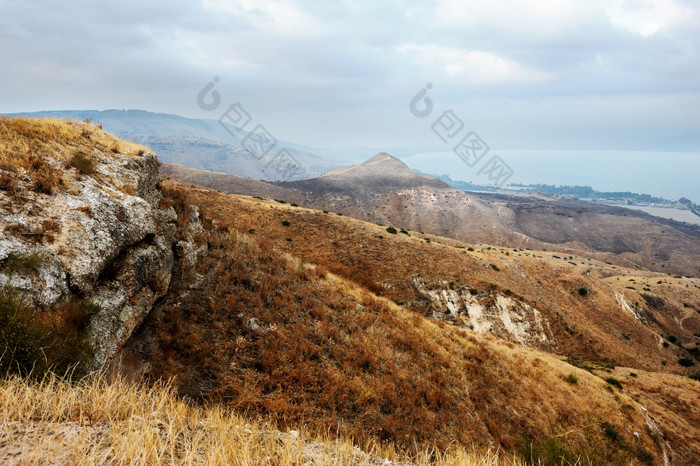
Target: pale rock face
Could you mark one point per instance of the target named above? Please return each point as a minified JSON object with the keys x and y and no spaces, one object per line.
{"x":113,"y":245}
{"x":499,"y":315}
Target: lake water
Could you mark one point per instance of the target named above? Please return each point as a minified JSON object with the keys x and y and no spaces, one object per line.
{"x":671,"y":175}
{"x":673,"y":214}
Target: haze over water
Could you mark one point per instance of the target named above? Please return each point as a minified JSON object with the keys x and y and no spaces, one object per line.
{"x":671,"y":175}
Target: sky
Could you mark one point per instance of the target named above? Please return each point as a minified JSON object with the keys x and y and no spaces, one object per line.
{"x":522,"y":74}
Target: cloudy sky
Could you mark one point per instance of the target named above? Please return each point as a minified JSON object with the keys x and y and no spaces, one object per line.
{"x":523,"y":73}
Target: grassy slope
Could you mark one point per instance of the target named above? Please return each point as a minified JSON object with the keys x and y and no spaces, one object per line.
{"x":591,"y":327}
{"x":271,"y":334}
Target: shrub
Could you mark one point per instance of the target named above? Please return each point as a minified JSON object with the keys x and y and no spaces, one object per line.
{"x":35,"y":343}
{"x":391,"y":230}
{"x":552,"y":450}
{"x":82,"y":163}
{"x":404,"y":232}
{"x":685,"y":362}
{"x":473,"y":291}
{"x":285,"y":223}
{"x":23,"y":262}
{"x":471,"y":249}
{"x":610,"y":432}
{"x":614,"y":382}
{"x":572,"y":379}
{"x":583,"y":291}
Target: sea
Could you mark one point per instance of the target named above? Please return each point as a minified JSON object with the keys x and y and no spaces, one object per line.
{"x":670,"y":175}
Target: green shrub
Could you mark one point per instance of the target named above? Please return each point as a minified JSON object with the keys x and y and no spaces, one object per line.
{"x":610,"y":432}
{"x":685,"y":362}
{"x":23,"y":262}
{"x":550,"y":451}
{"x":33,"y":343}
{"x":572,"y":379}
{"x":82,"y":163}
{"x":285,"y":223}
{"x":614,"y":382}
{"x":473,"y":291}
{"x":471,"y":249}
{"x":583,"y":291}
{"x":391,"y":230}
{"x":404,"y":232}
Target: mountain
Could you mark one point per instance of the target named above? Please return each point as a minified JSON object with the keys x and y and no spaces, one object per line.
{"x":205,"y":144}
{"x":384,"y":190}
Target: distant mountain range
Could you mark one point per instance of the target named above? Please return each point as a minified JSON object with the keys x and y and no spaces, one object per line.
{"x":384,"y":190}
{"x":204,"y":144}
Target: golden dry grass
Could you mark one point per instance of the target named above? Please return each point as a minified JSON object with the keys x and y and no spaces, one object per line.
{"x":100,"y":422}
{"x":41,"y":149}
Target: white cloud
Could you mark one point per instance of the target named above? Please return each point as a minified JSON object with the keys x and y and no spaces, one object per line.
{"x":474,"y":65}
{"x":645,"y":17}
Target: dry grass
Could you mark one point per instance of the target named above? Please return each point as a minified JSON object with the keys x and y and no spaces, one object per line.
{"x":593,"y":327}
{"x":269,"y":334}
{"x":42,"y":149}
{"x":96,"y":422}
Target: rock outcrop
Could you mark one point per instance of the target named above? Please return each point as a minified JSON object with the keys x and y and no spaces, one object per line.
{"x":503,"y":316}
{"x":101,"y":237}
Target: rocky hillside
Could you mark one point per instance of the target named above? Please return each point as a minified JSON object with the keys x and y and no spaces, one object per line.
{"x":82,"y":223}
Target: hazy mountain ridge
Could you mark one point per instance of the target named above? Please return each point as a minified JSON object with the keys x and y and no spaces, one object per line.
{"x":199,"y":143}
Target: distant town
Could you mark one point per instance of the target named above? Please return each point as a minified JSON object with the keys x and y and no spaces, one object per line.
{"x":623,"y":198}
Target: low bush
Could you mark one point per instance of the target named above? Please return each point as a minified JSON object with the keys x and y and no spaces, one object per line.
{"x":82,"y":163}
{"x":614,"y":382}
{"x":33,"y":343}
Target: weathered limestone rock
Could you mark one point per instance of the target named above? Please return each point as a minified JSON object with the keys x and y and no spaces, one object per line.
{"x":103,"y":238}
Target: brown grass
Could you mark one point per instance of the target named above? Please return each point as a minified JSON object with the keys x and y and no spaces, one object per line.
{"x":598,"y":329}
{"x":268,"y":334}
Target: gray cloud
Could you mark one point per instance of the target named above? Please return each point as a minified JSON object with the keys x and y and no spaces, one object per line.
{"x":341,"y":74}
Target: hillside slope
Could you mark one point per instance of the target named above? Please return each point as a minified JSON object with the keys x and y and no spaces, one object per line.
{"x":278,"y":334}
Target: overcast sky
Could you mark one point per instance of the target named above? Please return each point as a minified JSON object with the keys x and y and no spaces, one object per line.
{"x":342,"y":73}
